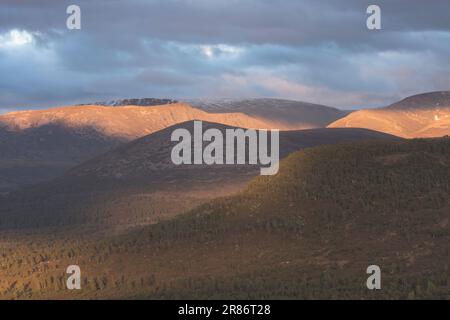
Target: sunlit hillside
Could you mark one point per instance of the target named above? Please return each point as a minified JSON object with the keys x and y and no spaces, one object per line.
{"x":421,"y":116}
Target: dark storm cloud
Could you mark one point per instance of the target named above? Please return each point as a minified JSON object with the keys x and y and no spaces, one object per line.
{"x":309,"y":50}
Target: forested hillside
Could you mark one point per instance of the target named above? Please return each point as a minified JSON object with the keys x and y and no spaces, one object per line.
{"x":309,"y":232}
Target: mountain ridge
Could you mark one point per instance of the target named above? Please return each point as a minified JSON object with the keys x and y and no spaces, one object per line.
{"x":288,"y":112}
{"x":66,"y":136}
{"x":434,"y":99}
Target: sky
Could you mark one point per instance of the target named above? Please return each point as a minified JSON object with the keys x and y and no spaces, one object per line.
{"x":308,"y":50}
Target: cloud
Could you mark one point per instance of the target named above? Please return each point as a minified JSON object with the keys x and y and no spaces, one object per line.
{"x":319,"y":51}
{"x":15,"y":38}
{"x":220,"y":50}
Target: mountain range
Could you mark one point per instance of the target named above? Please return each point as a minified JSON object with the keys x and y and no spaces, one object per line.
{"x":38,"y":145}
{"x":95,"y":186}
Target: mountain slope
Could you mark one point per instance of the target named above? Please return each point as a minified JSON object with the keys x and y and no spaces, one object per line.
{"x":419,"y":116}
{"x":127,"y":122}
{"x":294,"y":115}
{"x":137,"y":183}
{"x":308,"y":233}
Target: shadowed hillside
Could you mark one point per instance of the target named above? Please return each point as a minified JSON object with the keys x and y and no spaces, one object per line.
{"x":137,"y":183}
{"x":41,"y":153}
{"x":309,"y":232}
{"x":291,"y":114}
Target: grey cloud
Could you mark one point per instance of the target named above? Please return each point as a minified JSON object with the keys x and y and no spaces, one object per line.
{"x":305,"y":49}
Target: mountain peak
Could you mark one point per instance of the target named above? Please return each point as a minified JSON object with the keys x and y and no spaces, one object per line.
{"x":426,"y":100}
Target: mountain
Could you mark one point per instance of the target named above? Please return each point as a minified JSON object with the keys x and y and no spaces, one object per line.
{"x":420,"y":116}
{"x":137,"y":183}
{"x":37,"y":145}
{"x":428,"y":100}
{"x":309,"y":232}
{"x":127,"y":122}
{"x":289,"y":114}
